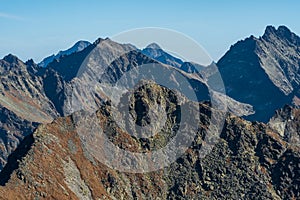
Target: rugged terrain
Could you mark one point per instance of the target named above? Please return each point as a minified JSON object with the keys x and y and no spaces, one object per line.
{"x":23,"y":103}
{"x":39,"y":95}
{"x":250,"y":160}
{"x":264,"y":71}
{"x":46,"y":149}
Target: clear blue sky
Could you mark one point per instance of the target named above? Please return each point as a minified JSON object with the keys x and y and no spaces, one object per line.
{"x":38,"y":28}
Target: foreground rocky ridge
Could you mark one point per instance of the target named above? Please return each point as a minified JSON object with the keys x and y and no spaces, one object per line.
{"x":250,"y":160}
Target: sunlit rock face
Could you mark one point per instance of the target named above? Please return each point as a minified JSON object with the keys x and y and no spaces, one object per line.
{"x":249,"y":159}
{"x":264,"y":71}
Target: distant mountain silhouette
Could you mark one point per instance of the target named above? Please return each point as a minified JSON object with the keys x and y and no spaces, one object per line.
{"x":78,"y":46}
{"x":154,"y":51}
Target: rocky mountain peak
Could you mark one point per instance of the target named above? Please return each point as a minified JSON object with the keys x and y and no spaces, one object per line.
{"x":12,"y":59}
{"x":11,"y":64}
{"x":283,"y":30}
{"x":99,"y":40}
{"x":270,"y":30}
{"x":281,"y":33}
{"x":80,"y":45}
{"x":77,"y":47}
{"x":30,"y":62}
{"x":153,"y":46}
{"x":273,"y":59}
{"x":155,"y":52}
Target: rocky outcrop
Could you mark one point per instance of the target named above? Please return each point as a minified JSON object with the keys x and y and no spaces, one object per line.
{"x":279,"y":55}
{"x":23,"y":103}
{"x":12,"y":130}
{"x":286,"y":123}
{"x":264,"y":71}
{"x":250,"y":160}
{"x":22,"y":90}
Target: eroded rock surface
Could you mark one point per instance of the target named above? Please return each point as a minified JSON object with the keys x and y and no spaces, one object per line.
{"x":249,"y":161}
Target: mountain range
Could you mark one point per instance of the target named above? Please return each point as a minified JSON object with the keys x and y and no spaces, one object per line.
{"x":256,"y":158}
{"x":78,"y":46}
{"x":264,"y":71}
